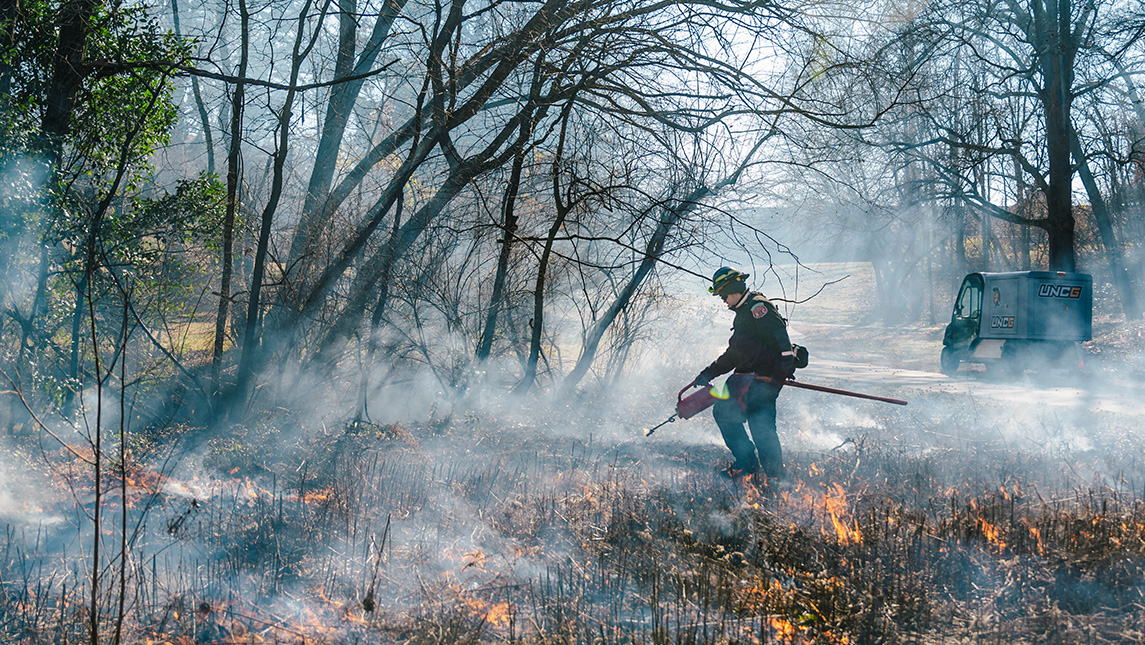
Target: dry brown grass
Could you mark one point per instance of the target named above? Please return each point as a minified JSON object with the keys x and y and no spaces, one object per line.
{"x":494,"y":530}
{"x":567,"y":526}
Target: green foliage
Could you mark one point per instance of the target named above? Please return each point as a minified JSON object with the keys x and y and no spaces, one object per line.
{"x":191,"y":214}
{"x":26,"y":65}
{"x":91,"y":191}
{"x":129,"y":104}
{"x":127,"y":52}
{"x":21,"y":180}
{"x":122,"y":113}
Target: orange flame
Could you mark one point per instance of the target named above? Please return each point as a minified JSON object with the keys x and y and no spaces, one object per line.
{"x":785,"y":629}
{"x":835,"y":500}
{"x":1036,"y":533}
{"x":495,"y":614}
{"x":1038,"y":536}
{"x":316,"y":496}
{"x":992,"y":534}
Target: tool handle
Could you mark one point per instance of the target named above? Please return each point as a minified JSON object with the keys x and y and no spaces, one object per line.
{"x":680,"y":396}
{"x":834,"y":390}
{"x":649,"y":431}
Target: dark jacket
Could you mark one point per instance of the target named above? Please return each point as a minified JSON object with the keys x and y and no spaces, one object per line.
{"x":759,"y":342}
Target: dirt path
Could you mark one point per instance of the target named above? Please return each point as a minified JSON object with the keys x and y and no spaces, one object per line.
{"x":1056,"y":390}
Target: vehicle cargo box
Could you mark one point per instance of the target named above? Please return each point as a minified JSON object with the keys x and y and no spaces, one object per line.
{"x":1037,"y":305}
{"x":1019,"y":320}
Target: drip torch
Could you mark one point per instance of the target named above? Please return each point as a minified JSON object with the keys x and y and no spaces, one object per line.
{"x":696,"y":402}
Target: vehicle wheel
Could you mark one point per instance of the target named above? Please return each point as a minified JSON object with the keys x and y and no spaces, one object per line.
{"x":948,"y":361}
{"x":1012,"y":362}
{"x":1068,"y":357}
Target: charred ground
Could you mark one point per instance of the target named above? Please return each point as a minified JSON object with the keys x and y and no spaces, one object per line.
{"x":976,"y":514}
{"x":394,"y":534}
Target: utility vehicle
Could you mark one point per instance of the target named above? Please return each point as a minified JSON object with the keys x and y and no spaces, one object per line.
{"x":1019,"y":320}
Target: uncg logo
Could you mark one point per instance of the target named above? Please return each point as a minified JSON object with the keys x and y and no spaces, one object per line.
{"x":1001,"y":322}
{"x":1047,"y":290}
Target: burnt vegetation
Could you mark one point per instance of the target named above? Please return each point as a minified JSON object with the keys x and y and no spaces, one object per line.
{"x":332,"y":322}
{"x":366,"y":533}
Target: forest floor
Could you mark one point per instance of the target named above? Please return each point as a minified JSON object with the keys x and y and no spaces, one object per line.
{"x":984,"y":511}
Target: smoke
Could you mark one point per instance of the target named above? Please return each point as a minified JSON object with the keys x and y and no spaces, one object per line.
{"x":22,"y":179}
{"x":455,"y":492}
{"x":26,"y":499}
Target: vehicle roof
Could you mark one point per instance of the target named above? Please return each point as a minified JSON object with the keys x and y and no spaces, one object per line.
{"x":1031,"y":274}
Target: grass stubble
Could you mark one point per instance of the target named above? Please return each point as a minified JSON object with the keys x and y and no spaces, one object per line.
{"x":490,"y":528}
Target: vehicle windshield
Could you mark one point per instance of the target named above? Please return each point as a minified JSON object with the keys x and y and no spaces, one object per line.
{"x":969,"y":303}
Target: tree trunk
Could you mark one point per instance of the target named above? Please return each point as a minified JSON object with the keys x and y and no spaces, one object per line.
{"x":97,"y":475}
{"x":233,"y":179}
{"x":28,"y":326}
{"x":313,"y":294}
{"x":489,"y":70}
{"x":960,"y":260}
{"x":671,"y":216}
{"x":385,"y":259}
{"x":74,"y":359}
{"x":1053,"y":33}
{"x":388,"y":256}
{"x":1059,"y":195}
{"x":363,"y":411}
{"x":508,"y":232}
{"x":253,"y":329}
{"x":204,"y":118}
{"x":91,"y":245}
{"x":1021,"y":194}
{"x":124,"y":336}
{"x":1113,"y":255}
{"x":982,"y":187}
{"x":321,"y":203}
{"x":931,"y":287}
{"x":987,"y":262}
{"x":538,"y":320}
{"x":67,"y":74}
{"x":652,"y":253}
{"x":340,"y":105}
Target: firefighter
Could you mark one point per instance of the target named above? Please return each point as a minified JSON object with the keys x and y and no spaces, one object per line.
{"x":759,"y":347}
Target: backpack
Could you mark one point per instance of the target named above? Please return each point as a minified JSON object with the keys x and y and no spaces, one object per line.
{"x":801,"y":355}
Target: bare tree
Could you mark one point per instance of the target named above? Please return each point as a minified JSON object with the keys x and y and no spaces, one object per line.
{"x":234,"y":152}
{"x":303,"y":44}
{"x":1018,"y":53}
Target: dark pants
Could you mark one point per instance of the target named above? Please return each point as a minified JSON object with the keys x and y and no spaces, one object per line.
{"x":756,"y":406}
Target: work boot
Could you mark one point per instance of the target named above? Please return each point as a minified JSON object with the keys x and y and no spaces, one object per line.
{"x":734,"y":472}
{"x":774,"y":470}
{"x":772,"y":486}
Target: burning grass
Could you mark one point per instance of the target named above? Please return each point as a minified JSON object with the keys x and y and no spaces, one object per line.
{"x":496,"y":530}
